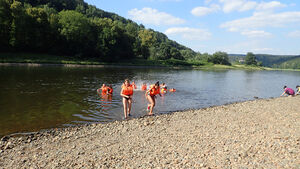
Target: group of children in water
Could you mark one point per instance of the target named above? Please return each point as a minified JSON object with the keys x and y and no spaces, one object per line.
{"x":156,"y":89}
{"x":127,"y":92}
{"x":290,"y":92}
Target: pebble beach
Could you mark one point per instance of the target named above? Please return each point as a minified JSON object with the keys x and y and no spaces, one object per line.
{"x":262,"y":133}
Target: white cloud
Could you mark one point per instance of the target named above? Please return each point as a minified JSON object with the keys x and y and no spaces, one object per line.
{"x":269,"y":5}
{"x":189,"y":33}
{"x":170,"y":0}
{"x":237,"y":5}
{"x":164,"y":0}
{"x":207,"y":1}
{"x":153,"y":16}
{"x":259,"y":20}
{"x":245,"y":5}
{"x":201,"y":11}
{"x":255,"y":46}
{"x":256,"y":34}
{"x":294,"y":34}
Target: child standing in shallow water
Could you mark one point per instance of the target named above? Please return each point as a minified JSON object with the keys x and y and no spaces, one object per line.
{"x":151,"y":95}
{"x":126,"y":93}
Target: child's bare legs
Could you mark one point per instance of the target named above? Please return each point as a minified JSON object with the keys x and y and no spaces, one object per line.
{"x":151,"y":103}
{"x":125,"y":102}
{"x":129,"y":101}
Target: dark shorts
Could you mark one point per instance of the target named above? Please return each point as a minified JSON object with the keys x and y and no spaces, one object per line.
{"x":127,"y":98}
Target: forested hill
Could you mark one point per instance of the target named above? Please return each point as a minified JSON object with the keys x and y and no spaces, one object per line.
{"x":275,"y":61}
{"x":76,"y":29}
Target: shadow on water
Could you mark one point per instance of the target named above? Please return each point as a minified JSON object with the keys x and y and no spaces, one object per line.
{"x":34,"y":98}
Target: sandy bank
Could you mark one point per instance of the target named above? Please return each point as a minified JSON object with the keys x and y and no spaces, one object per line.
{"x":253,"y":134}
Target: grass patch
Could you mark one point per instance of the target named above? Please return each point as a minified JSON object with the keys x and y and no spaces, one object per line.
{"x":43,"y":58}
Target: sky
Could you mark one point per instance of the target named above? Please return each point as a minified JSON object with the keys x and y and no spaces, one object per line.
{"x":232,"y":26}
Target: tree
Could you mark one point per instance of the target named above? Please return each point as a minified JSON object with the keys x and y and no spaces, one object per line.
{"x":147,"y":40}
{"x":220,"y":58}
{"x":250,"y":59}
{"x":165,"y":51}
{"x":38,"y":29}
{"x":5,"y":24}
{"x":18,"y":26}
{"x":176,"y":54}
{"x":76,"y":29}
{"x":113,"y":43}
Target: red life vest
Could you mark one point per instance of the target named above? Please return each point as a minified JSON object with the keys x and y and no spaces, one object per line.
{"x":144,"y":87}
{"x":154,"y":91}
{"x":128,"y":91}
{"x":110,"y":90}
{"x":104,"y":89}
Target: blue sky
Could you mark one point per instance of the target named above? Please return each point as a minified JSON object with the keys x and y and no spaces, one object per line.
{"x":232,"y":26}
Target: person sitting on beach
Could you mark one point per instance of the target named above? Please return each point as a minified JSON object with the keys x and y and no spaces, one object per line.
{"x":151,"y":95}
{"x":103,"y":89}
{"x":298,"y":90}
{"x":288,"y":91}
{"x":110,"y":90}
{"x":144,"y":87}
{"x":126,"y":93}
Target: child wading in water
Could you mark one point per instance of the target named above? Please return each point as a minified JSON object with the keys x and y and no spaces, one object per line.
{"x":151,"y":95}
{"x":126,"y":93}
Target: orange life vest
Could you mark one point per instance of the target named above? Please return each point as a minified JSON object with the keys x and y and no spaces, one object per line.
{"x":128,"y":91}
{"x":110,"y":90}
{"x":163,"y":90}
{"x":154,"y":91}
{"x":144,"y":87}
{"x":133,"y":85}
{"x":104,"y":89}
{"x":172,"y":90}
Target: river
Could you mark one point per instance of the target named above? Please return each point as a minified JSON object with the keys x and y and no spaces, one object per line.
{"x":34,"y":98}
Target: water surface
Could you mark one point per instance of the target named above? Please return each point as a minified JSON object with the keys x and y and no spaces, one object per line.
{"x":34,"y":98}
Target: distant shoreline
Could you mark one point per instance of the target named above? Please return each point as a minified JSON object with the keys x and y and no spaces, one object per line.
{"x":28,"y":59}
{"x":78,"y":65}
{"x":124,"y":65}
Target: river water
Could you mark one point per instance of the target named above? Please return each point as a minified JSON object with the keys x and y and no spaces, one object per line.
{"x":34,"y":98}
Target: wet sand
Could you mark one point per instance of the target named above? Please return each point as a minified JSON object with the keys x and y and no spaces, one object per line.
{"x":252,"y":134}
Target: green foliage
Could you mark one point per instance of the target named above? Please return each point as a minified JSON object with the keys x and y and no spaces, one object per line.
{"x":250,"y":59}
{"x":274,"y":60}
{"x":175,"y":54}
{"x":220,"y":58}
{"x":290,"y":64}
{"x":5,"y":24}
{"x":76,"y":29}
{"x":74,"y":25}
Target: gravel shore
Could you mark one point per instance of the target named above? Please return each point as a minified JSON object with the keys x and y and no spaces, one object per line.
{"x":252,"y":134}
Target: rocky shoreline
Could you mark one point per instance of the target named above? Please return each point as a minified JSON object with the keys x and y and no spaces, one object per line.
{"x":253,"y":134}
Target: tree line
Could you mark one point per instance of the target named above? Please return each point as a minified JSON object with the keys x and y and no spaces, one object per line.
{"x":77,"y":29}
